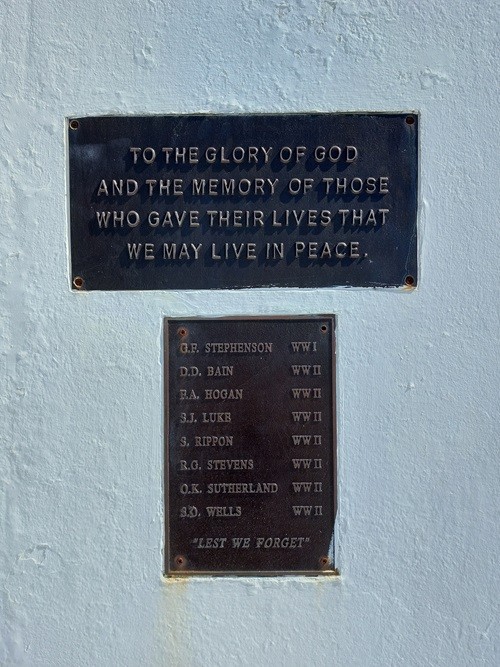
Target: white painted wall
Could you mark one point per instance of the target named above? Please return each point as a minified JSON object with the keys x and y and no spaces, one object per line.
{"x":81,"y":458}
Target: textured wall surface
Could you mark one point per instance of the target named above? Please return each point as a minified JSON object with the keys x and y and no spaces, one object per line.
{"x":81,"y":456}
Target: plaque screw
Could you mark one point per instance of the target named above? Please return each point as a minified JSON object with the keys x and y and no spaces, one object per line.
{"x":182,"y":332}
{"x":180,"y":561}
{"x":409,"y":280}
{"x":74,"y":124}
{"x":78,"y":282}
{"x":323,"y":561}
{"x":410,"y":120}
{"x":323,"y":328}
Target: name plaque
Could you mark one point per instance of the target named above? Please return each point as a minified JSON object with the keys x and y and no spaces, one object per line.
{"x":250,"y":446}
{"x":235,"y":201}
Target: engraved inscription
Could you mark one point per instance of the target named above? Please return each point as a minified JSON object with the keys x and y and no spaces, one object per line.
{"x":258,"y":459}
{"x":243,"y":201}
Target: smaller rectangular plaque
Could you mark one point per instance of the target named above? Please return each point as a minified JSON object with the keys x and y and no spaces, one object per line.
{"x":250,"y":445}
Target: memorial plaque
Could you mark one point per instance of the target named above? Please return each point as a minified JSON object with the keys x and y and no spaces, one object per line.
{"x":210,"y":201}
{"x":250,"y":467}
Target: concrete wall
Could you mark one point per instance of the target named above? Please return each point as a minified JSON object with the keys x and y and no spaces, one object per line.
{"x":81,"y":457}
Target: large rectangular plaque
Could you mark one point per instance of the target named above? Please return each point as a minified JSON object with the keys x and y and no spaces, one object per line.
{"x":250,"y":445}
{"x":234,"y":201}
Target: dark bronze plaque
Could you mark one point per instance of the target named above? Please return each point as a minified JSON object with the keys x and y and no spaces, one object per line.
{"x":250,"y":445}
{"x":207,"y":201}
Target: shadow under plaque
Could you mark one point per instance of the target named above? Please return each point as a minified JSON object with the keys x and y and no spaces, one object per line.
{"x":250,"y":446}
